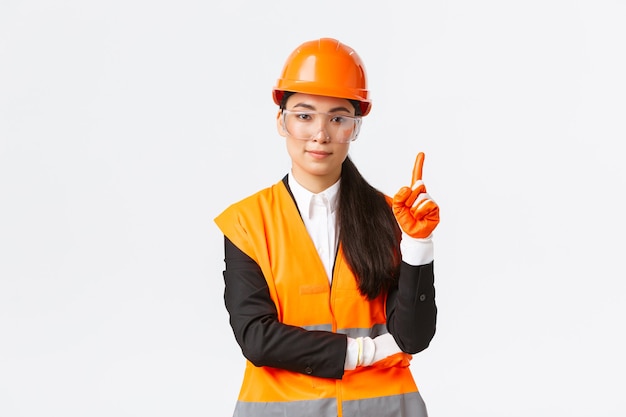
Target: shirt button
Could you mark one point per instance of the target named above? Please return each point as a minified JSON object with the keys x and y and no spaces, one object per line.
{"x":422,"y":297}
{"x":308,"y":370}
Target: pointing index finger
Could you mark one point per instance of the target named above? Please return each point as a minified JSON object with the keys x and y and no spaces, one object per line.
{"x":417,"y":168}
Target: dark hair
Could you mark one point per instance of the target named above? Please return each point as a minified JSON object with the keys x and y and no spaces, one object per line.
{"x":369,"y":234}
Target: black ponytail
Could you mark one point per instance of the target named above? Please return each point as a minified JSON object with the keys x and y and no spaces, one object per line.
{"x":369,"y":233}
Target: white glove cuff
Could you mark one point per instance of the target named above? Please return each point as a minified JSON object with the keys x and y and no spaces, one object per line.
{"x":417,"y":251}
{"x":352,"y":355}
{"x":368,"y":351}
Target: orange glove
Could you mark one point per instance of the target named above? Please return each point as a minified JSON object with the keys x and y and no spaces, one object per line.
{"x":416,"y":212}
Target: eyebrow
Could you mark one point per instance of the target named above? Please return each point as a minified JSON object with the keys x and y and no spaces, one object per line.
{"x":310,"y":107}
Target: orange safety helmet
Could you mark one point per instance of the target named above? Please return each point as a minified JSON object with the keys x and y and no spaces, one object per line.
{"x":325,"y":67}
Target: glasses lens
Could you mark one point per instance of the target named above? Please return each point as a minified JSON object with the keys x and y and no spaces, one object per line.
{"x":310,"y":125}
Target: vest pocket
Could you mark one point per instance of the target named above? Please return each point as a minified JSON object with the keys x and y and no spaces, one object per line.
{"x":313,"y":289}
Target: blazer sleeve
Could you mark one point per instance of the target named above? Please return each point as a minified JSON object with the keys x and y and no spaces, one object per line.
{"x":411,"y":308}
{"x":264,"y":340}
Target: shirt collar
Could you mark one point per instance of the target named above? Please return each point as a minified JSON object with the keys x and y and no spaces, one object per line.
{"x":304,"y":198}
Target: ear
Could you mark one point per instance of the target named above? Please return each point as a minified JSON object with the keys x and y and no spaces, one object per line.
{"x":279,"y":124}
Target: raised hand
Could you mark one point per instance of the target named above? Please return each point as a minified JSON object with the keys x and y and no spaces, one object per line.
{"x":416,"y":213}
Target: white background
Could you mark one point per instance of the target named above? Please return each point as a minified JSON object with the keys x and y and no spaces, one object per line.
{"x":127,"y":126}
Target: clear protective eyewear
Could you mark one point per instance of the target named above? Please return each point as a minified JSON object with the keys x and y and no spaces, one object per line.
{"x":307,"y":125}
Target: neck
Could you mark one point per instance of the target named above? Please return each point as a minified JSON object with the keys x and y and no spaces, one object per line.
{"x":315,"y":184}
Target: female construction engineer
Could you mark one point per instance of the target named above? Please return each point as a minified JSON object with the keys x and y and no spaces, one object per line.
{"x":329,"y":283}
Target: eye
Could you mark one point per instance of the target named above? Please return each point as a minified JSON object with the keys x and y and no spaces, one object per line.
{"x":340,"y":119}
{"x":303,"y":116}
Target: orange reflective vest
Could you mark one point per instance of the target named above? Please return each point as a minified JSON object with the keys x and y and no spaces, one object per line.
{"x":267,"y":227}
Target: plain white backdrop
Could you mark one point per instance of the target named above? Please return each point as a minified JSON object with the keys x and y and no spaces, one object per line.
{"x":127,"y":126}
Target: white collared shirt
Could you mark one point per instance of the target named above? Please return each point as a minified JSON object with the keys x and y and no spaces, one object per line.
{"x":318,"y":212}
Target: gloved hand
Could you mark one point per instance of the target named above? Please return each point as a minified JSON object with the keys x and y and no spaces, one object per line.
{"x":365,"y":351}
{"x":385,"y":346}
{"x":416,"y":213}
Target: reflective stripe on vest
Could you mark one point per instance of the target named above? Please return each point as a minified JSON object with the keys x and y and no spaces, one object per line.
{"x":373,"y":331}
{"x":403,"y":405}
{"x":268,"y":228}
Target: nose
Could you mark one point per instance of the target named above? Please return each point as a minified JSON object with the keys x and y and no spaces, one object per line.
{"x":322,"y":135}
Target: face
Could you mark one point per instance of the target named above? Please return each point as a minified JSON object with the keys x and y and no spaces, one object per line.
{"x":316,"y":163}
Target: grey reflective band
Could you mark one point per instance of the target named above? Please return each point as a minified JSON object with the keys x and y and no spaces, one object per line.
{"x":401,"y":405}
{"x":325,"y":327}
{"x":372,"y":332}
{"x":375,"y":330}
{"x":319,"y":408}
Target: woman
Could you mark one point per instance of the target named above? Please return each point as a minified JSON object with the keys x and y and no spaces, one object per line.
{"x":328,"y":282}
